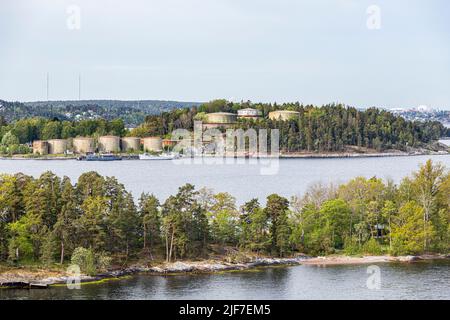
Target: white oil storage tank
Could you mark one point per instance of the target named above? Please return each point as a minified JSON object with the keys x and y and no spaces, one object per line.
{"x":109,"y":144}
{"x":83,"y":145}
{"x":57,"y":146}
{"x":131,"y":144}
{"x":152,"y":144}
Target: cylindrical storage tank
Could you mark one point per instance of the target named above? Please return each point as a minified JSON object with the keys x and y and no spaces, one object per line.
{"x":249,"y":113}
{"x":152,"y":144}
{"x":283,"y":115}
{"x":57,"y":146}
{"x":83,"y":145}
{"x":221,"y":118}
{"x":109,"y":144}
{"x":131,"y":144}
{"x":40,"y":147}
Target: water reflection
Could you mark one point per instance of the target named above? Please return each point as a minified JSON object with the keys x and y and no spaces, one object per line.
{"x":244,"y":181}
{"x":423,"y":280}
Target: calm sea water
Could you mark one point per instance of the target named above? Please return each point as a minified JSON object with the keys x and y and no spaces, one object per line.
{"x":421,"y":280}
{"x":243,"y":180}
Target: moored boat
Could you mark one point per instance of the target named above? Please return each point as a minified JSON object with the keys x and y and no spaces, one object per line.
{"x":101,"y":157}
{"x":164,"y":156}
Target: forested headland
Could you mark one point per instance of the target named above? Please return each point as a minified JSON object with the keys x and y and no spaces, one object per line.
{"x":331,"y":127}
{"x":96,"y":222}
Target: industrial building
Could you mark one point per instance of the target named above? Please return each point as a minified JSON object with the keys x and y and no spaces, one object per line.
{"x":219,"y":120}
{"x":109,"y":144}
{"x":152,"y":144}
{"x":283,"y":115}
{"x":83,"y":145}
{"x":221,"y":117}
{"x":131,"y":144}
{"x":249,"y":113}
{"x":40,"y":147}
{"x":57,"y":146}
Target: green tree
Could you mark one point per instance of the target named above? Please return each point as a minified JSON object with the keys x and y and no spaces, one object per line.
{"x":65,"y":226}
{"x":334,"y":216}
{"x":124,"y":225}
{"x":254,"y":227}
{"x":92,"y":223}
{"x":149,"y":211}
{"x":426,"y":187}
{"x":277,"y":210}
{"x":185,"y":224}
{"x":51,"y":130}
{"x":22,"y":240}
{"x":223,"y":217}
{"x":389,"y":210}
{"x":408,"y":233}
{"x":9,"y":139}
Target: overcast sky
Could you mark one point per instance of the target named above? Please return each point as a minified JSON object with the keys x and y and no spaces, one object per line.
{"x":312,"y":51}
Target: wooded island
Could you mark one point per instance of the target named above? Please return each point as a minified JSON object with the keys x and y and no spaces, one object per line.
{"x":96,"y":223}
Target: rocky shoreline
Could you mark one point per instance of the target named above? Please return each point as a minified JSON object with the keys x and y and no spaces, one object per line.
{"x":30,"y":280}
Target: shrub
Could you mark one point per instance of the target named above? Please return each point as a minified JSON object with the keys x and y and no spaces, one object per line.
{"x":103,"y":261}
{"x":85,"y":259}
{"x":351,"y":247}
{"x":372,"y":247}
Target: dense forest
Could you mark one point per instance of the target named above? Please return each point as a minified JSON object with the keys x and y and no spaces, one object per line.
{"x":50,"y":220}
{"x":132,"y":113}
{"x":328,"y":128}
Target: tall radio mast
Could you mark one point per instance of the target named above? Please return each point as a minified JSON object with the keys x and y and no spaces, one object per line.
{"x":79,"y":86}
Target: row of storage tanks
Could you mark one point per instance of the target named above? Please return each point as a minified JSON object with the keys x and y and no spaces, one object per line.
{"x":105,"y":144}
{"x":125,"y":144}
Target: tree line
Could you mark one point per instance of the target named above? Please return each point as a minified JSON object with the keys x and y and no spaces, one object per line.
{"x":332,"y":127}
{"x":131,"y":112}
{"x":50,"y":220}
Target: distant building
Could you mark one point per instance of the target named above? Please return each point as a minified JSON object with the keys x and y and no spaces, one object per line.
{"x":219,"y":119}
{"x":249,"y":113}
{"x":40,"y":147}
{"x":424,"y":108}
{"x":109,"y":144}
{"x":130,"y":144}
{"x":57,"y":146}
{"x":83,"y":145}
{"x":153,"y":144}
{"x":283,"y":115}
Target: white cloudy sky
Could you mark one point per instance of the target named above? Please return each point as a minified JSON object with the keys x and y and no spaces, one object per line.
{"x":313,"y":51}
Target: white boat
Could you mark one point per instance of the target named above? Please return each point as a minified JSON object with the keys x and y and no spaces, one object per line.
{"x":164,"y":156}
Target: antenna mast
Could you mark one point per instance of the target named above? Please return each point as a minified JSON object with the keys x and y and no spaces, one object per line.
{"x":79,"y":86}
{"x":48,"y":94}
{"x":48,"y":84}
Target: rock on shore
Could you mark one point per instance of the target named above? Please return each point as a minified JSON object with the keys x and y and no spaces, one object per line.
{"x":212,"y":266}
